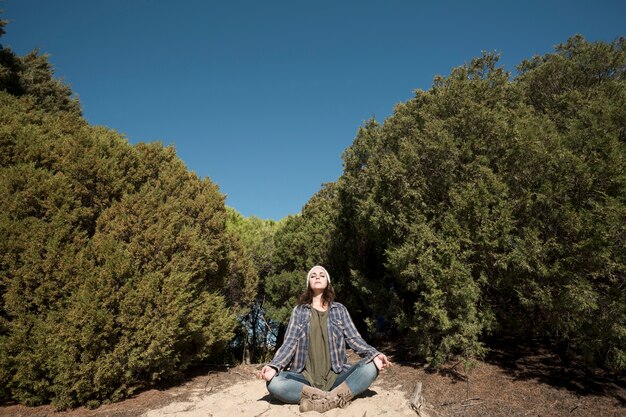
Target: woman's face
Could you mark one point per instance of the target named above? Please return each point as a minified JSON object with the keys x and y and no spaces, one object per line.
{"x":318,"y":279}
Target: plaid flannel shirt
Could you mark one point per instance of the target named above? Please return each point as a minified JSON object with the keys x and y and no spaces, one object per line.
{"x":293,"y":352}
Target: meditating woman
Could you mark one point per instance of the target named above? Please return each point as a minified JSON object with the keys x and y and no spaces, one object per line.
{"x":311,"y":367}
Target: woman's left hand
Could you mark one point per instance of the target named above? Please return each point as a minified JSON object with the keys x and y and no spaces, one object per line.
{"x":267,"y":373}
{"x":381,"y":361}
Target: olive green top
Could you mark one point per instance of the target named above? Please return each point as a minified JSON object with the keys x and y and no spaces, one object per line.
{"x":318,"y":369}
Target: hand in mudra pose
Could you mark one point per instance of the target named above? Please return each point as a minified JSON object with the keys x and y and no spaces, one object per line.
{"x":267,"y":373}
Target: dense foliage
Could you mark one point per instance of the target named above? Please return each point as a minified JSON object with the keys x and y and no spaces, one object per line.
{"x":116,"y":268}
{"x":495,"y":206}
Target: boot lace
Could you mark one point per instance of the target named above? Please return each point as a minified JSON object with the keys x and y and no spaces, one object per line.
{"x":343,"y":400}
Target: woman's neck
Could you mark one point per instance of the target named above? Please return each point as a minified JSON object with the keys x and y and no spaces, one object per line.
{"x":318,"y":302}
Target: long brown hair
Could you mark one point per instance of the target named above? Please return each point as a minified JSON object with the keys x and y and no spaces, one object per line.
{"x":328,"y":296}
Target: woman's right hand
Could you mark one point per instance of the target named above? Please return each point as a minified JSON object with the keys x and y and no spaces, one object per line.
{"x":381,"y":361}
{"x":267,"y":373}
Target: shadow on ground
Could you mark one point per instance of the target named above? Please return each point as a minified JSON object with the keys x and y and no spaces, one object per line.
{"x":273,"y":401}
{"x":534,"y":361}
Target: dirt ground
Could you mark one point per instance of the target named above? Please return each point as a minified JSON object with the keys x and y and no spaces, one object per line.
{"x":525,"y":381}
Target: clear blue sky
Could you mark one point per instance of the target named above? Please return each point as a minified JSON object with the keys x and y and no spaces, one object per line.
{"x":264,"y":96}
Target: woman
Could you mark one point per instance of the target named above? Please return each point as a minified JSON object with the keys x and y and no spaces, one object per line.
{"x":311,"y":367}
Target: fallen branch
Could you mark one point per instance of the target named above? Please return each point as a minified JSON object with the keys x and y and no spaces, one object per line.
{"x":207,"y":383}
{"x":471,"y":404}
{"x":418,"y":404}
{"x":470,"y":399}
{"x":416,"y":398}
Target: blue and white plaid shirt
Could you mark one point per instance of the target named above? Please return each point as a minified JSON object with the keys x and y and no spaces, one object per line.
{"x":292,"y":354}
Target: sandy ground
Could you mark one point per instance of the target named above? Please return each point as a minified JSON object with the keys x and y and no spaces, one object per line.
{"x":251,"y":399}
{"x":514,"y":381}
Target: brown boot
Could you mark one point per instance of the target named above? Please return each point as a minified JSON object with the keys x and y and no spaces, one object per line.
{"x":339,"y":397}
{"x":312,"y":393}
{"x":344,"y":395}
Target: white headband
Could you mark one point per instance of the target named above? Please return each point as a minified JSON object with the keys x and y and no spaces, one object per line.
{"x":308,"y":276}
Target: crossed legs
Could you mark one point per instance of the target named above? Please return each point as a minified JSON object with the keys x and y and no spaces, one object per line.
{"x":287,"y":386}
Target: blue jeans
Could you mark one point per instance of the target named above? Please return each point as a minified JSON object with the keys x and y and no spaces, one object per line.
{"x":287,"y":386}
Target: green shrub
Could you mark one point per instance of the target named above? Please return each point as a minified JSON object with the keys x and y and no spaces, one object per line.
{"x":490,"y":205}
{"x":115,"y":262}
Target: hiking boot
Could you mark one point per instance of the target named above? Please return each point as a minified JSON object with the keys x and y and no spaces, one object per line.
{"x":339,"y":397}
{"x":312,"y":393}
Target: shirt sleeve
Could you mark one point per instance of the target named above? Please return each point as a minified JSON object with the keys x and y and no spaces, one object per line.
{"x":354,"y":339}
{"x":285,"y":353}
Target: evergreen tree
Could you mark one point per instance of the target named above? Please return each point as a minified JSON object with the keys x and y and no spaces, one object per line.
{"x":495,"y":206}
{"x":116,"y":268}
{"x":32,"y":75}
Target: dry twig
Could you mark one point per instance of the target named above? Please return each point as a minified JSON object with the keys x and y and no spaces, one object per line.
{"x":418,"y":404}
{"x":471,"y":404}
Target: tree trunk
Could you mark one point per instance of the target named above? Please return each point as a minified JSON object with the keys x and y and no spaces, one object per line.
{"x":246,"y":345}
